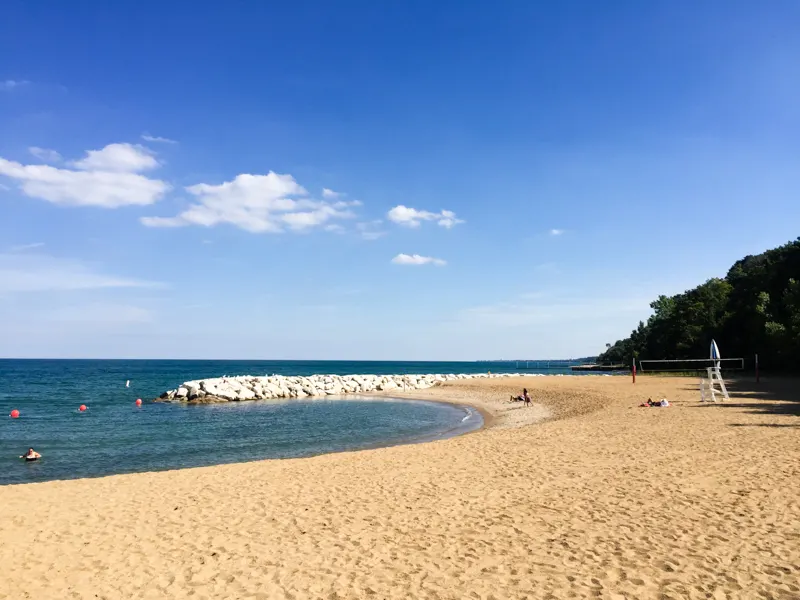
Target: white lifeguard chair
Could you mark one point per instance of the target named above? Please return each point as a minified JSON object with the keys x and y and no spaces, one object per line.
{"x":714,"y":385}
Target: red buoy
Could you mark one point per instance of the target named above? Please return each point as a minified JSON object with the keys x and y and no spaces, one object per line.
{"x":14,"y":414}
{"x":138,"y":402}
{"x":82,"y":407}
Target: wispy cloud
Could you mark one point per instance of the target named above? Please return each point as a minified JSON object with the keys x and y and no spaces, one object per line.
{"x":371,"y":230}
{"x":345,"y":291}
{"x":24,"y":247}
{"x":270,"y":203}
{"x":107,"y":178}
{"x":556,"y":231}
{"x":416,"y":259}
{"x":155,"y":139}
{"x":546,"y":268}
{"x":100,"y":313}
{"x":528,"y":309}
{"x":42,"y":273}
{"x":532,"y":295}
{"x":330,"y":194}
{"x":411,"y":217}
{"x":196,"y":305}
{"x":325,"y":308}
{"x":45,"y":154}
{"x":12,"y":84}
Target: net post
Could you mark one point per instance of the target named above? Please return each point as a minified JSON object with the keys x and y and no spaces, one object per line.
{"x":758,"y":376}
{"x":634,"y":369}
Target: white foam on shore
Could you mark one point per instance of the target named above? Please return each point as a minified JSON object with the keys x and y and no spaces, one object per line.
{"x":469,"y":415}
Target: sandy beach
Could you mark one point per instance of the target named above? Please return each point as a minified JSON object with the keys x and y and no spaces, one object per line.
{"x":584,"y":496}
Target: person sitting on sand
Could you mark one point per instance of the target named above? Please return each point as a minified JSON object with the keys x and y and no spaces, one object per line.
{"x":31,"y":455}
{"x":524,"y":397}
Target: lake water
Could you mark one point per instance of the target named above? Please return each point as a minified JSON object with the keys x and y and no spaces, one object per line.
{"x":114,"y":436}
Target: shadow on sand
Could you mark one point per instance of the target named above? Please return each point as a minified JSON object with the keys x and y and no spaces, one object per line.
{"x":772,"y":396}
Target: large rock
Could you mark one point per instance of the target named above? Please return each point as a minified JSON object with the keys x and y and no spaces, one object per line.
{"x":227,"y":393}
{"x":224,"y":389}
{"x":387,"y":385}
{"x":196,"y":393}
{"x":245,"y":394}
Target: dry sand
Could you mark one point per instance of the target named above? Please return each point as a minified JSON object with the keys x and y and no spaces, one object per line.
{"x":603,"y":500}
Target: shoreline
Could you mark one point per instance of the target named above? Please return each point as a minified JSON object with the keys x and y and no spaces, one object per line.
{"x":491,"y":418}
{"x":245,"y":388}
{"x":566,"y":508}
{"x":494,"y":415}
{"x":457,"y":430}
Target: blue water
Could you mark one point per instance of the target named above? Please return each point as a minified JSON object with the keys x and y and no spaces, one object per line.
{"x":113,"y":436}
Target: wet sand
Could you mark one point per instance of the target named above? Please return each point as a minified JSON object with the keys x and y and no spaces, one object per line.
{"x":601,"y":499}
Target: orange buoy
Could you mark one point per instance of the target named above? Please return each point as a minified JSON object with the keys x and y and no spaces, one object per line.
{"x":82,"y":407}
{"x":14,"y":414}
{"x":138,"y":402}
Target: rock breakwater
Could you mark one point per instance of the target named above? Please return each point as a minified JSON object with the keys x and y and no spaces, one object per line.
{"x":243,"y":388}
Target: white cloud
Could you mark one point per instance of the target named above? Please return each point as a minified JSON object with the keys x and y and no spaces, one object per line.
{"x":330,"y":194}
{"x":122,"y":158}
{"x":416,"y":259}
{"x":24,"y":247}
{"x":447,"y":219}
{"x":556,"y":231}
{"x":370,"y":230}
{"x":10,"y":84}
{"x":42,"y":273}
{"x":411,"y":217}
{"x":4,"y":187}
{"x":84,"y":188}
{"x":268,"y":203}
{"x":106,"y":178}
{"x":45,"y":154}
{"x":334,"y":228}
{"x":157,"y":139}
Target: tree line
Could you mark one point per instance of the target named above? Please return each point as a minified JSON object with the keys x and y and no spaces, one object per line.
{"x":755,"y":309}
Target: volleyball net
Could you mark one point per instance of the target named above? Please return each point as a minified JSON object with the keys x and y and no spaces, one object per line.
{"x":690,"y":365}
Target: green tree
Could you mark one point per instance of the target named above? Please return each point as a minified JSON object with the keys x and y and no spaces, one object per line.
{"x":754,"y":309}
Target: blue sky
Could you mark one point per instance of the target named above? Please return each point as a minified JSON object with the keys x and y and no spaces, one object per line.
{"x":365,"y":180}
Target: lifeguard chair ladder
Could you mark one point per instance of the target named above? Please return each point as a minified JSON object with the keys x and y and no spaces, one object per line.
{"x":708,"y":387}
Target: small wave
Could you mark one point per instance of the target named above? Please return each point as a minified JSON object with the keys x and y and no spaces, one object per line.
{"x":469,"y":415}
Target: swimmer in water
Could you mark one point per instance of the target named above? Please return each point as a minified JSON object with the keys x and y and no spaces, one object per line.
{"x":31,"y":455}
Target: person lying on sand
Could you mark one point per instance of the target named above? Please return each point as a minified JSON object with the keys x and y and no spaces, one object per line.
{"x":658,"y":403}
{"x":31,"y":455}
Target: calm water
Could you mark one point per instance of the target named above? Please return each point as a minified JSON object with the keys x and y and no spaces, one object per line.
{"x":113,"y":436}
